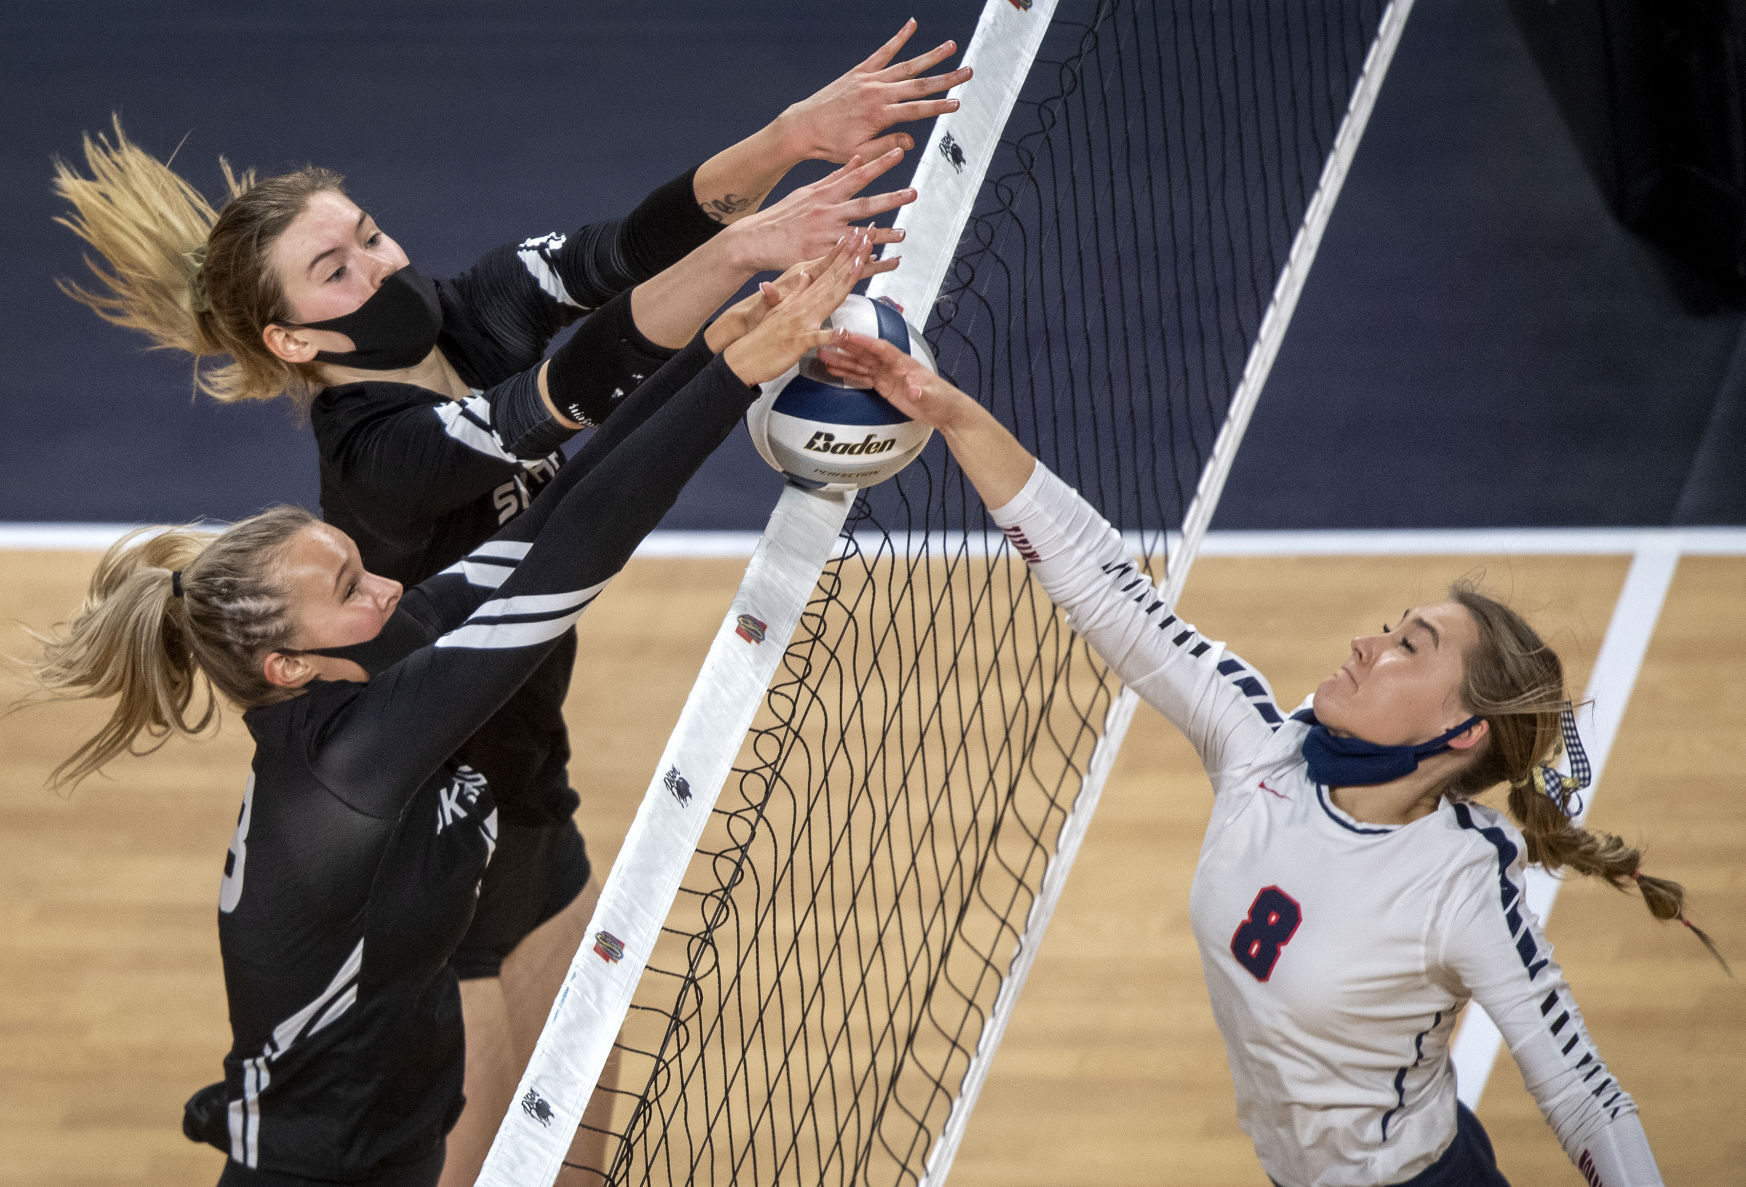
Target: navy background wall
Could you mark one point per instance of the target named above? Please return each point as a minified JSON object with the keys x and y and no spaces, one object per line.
{"x":1480,"y":344}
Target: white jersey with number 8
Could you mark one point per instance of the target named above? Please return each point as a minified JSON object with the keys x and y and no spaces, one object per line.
{"x":1337,"y":953}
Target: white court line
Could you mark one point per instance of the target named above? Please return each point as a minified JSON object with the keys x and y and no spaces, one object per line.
{"x":1609,"y":690}
{"x":1388,"y":542}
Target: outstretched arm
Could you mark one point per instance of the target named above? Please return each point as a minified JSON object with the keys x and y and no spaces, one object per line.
{"x":530,"y":582}
{"x":1224,"y":707}
{"x":847,"y":118}
{"x":845,"y":122}
{"x":669,"y":308}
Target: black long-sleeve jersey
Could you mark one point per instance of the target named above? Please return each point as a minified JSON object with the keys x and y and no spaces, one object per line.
{"x":361,"y":841}
{"x":418,"y":479}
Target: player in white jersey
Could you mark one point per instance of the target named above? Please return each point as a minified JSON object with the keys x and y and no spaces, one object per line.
{"x":1350,"y":896}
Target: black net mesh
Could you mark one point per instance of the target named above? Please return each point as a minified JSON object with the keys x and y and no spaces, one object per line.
{"x":841,"y":936}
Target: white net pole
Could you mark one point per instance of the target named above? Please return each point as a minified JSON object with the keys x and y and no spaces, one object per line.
{"x":1212,"y":482}
{"x":596,"y":995}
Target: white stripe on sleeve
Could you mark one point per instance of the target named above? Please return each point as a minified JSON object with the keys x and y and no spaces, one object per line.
{"x":538,"y":617}
{"x":533,"y":253}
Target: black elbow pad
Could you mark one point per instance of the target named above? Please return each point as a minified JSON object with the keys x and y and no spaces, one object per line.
{"x":604,"y":360}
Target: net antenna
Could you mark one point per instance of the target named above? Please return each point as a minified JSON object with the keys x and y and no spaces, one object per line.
{"x":815,"y":932}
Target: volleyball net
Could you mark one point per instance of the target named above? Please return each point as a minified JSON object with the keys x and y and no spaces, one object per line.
{"x":806,"y":952}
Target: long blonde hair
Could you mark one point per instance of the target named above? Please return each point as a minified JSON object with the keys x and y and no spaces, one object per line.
{"x":165,"y":657}
{"x":1515,"y":682}
{"x":188,"y":277}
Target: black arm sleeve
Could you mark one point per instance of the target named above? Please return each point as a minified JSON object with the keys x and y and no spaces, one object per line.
{"x":665,"y":227}
{"x":606,"y":357}
{"x":500,"y":315}
{"x":526,"y":586}
{"x":672,"y":383}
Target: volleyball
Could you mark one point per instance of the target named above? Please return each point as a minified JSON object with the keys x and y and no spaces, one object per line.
{"x":826,"y":435}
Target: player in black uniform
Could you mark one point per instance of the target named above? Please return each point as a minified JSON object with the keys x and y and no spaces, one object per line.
{"x":361,"y":841}
{"x":435,"y":422}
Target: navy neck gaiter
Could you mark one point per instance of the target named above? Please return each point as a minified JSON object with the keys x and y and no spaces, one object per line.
{"x":1352,"y":762}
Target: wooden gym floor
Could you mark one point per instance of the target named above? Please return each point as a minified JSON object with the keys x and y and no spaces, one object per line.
{"x":112,"y":1008}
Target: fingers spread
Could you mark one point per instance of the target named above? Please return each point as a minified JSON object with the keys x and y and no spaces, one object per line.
{"x":923,"y":109}
{"x":927,"y":61}
{"x":939,"y":82}
{"x":883,"y":55}
{"x":854,"y":176}
{"x":883,"y":145}
{"x":874,"y":204}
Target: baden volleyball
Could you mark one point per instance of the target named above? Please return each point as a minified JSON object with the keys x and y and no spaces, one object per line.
{"x":825,"y":435}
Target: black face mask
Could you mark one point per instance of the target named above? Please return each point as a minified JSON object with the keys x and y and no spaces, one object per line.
{"x":399,"y":637}
{"x":395,"y":328}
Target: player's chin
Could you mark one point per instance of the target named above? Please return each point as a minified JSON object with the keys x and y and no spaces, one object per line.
{"x":1331,"y":699}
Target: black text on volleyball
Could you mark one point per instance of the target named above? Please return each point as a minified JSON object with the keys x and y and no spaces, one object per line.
{"x":824,"y":442}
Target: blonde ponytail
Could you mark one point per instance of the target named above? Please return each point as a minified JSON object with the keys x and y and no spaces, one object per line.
{"x":188,"y":277}
{"x":145,"y":222}
{"x":127,"y":644}
{"x":161,"y":655}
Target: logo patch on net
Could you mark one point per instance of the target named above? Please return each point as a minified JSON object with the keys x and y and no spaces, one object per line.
{"x":535,"y":1106}
{"x":609,"y":948}
{"x":675,"y":783}
{"x":750,"y":629}
{"x":950,"y":150}
{"x":1021,"y":5}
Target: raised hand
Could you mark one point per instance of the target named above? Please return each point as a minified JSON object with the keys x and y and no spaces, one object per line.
{"x":743,"y":316}
{"x":846,"y":118}
{"x":901,"y":378}
{"x":809,"y":221}
{"x":791,"y":328}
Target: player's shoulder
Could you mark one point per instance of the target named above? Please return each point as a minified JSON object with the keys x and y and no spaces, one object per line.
{"x":1276,"y":765}
{"x":1476,"y":840}
{"x":347,"y":414}
{"x":288,"y":732}
{"x":345,"y":403}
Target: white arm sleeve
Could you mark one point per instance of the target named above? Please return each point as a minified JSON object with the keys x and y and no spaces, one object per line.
{"x":1619,"y":1156}
{"x":1225,"y":708}
{"x":1494,"y":949}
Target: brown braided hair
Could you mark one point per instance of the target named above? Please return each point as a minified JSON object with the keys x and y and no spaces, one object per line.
{"x":1513,"y":680}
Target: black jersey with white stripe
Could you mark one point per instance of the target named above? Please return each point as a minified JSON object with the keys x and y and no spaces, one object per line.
{"x":418,"y":479}
{"x":357,"y":855}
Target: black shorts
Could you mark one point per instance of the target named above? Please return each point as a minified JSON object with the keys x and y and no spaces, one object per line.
{"x":1468,"y":1162}
{"x":536,"y":871}
{"x":423,"y":1172}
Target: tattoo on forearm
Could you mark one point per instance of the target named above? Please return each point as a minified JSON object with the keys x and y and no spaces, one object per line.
{"x":725,"y":207}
